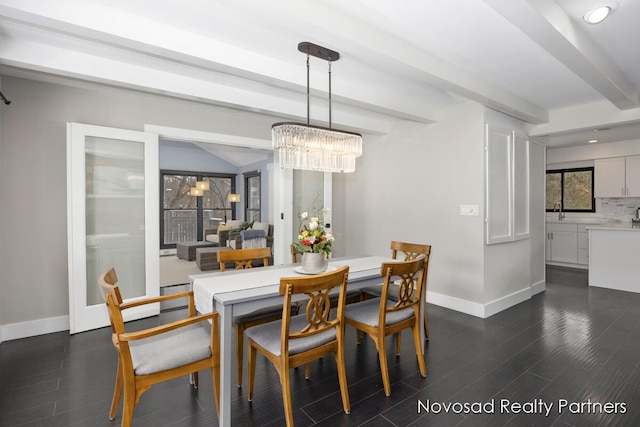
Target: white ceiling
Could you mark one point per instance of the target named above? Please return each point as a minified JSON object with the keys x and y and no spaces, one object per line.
{"x":400,"y":61}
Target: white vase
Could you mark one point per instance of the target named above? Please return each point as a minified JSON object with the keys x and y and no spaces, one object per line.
{"x":314,"y":262}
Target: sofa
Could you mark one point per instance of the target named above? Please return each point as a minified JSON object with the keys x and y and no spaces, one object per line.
{"x":230,"y":234}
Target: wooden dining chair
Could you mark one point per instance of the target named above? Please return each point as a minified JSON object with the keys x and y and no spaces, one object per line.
{"x":297,"y":340}
{"x":149,"y":356}
{"x":294,"y":254}
{"x":243,"y":259}
{"x":406,"y":251}
{"x":381,"y":317}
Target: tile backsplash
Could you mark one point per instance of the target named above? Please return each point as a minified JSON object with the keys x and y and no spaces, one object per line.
{"x":619,"y":209}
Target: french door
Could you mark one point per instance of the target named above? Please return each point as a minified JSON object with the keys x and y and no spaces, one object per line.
{"x":112,"y":200}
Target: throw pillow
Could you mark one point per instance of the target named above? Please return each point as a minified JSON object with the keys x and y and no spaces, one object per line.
{"x":264,"y":226}
{"x":223,"y":227}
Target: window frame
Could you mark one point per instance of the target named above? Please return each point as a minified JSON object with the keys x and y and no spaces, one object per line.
{"x":562,"y":173}
{"x":247,"y":210}
{"x":199,"y":205}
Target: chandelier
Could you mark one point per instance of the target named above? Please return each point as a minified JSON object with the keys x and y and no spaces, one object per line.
{"x":308,"y":147}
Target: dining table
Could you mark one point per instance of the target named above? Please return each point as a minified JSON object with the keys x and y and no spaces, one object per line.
{"x":238,"y":292}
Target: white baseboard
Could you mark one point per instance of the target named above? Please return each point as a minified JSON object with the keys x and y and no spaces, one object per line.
{"x":536,"y":288}
{"x":488,"y":309}
{"x":501,"y":304}
{"x":14,"y":331}
{"x":457,"y":304}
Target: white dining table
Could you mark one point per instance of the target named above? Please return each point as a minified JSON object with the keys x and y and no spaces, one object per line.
{"x":238,"y":292}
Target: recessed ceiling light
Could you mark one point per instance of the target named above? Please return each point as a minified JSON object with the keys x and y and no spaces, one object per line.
{"x":591,"y":141}
{"x":597,"y":15}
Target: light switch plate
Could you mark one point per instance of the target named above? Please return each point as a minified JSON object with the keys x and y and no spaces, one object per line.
{"x":469,"y":210}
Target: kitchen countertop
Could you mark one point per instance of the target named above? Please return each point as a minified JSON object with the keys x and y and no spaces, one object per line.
{"x":580,"y":221}
{"x":622,"y":226}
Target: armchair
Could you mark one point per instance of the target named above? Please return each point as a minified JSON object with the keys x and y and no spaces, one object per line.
{"x":234,"y":239}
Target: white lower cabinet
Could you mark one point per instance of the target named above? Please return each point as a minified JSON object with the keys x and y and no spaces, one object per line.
{"x":562,"y":243}
{"x":583,"y":244}
{"x":568,"y":243}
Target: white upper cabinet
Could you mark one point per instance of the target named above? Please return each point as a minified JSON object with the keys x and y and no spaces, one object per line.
{"x":633,"y":176}
{"x":617,"y":177}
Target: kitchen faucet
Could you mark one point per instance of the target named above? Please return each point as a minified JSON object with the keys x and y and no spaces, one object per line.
{"x":560,"y":213}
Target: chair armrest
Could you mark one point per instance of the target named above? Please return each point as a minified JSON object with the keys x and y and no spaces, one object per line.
{"x":223,"y":236}
{"x":210,"y":231}
{"x":151,"y":300}
{"x":147,"y":333}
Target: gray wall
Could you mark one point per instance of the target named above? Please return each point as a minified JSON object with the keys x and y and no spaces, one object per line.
{"x":33,"y":212}
{"x":408,"y":186}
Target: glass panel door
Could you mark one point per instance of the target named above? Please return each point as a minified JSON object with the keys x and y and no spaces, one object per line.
{"x":112,"y":194}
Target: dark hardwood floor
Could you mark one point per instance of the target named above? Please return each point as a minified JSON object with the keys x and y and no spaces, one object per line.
{"x":572,"y":345}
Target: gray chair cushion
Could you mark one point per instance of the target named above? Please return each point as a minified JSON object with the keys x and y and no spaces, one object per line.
{"x":262,"y":313}
{"x":170,"y":350}
{"x":268,"y":336}
{"x":376,"y":291}
{"x":367,"y":312}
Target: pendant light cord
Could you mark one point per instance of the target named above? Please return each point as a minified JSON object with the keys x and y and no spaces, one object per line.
{"x":329,"y":93}
{"x":308,"y":108}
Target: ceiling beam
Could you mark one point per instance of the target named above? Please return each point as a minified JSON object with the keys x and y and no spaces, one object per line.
{"x":551,"y":28}
{"x":384,"y":51}
{"x":196,"y":56}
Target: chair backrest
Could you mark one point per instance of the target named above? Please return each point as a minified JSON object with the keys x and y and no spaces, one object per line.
{"x":318,"y":307}
{"x":410,"y":278}
{"x":294,"y":254}
{"x":412,"y":251}
{"x":409,"y":250}
{"x":243,"y":258}
{"x":113,"y":298}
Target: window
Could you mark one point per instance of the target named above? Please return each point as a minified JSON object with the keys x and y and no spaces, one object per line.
{"x":572,"y":188}
{"x":252,"y":196}
{"x":183,"y":218}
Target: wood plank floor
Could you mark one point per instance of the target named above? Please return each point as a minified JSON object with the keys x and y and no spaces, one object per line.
{"x":571,"y":344}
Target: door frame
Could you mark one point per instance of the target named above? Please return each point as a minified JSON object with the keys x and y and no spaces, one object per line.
{"x":282,"y":191}
{"x":83,"y":317}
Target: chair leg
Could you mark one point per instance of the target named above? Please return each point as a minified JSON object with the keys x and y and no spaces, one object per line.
{"x":384,"y":369}
{"x":117,"y":392}
{"x":417,"y":342}
{"x":194,"y":379}
{"x":128,"y":404}
{"x":342,"y":378}
{"x":215,"y":373}
{"x":251,"y":358}
{"x":307,"y":371}
{"x":358,"y":336}
{"x":239,"y":350}
{"x":398,"y":339}
{"x":286,"y":396}
{"x":426,"y":324}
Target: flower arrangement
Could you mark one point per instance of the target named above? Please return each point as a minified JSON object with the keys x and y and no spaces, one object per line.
{"x":312,"y":235}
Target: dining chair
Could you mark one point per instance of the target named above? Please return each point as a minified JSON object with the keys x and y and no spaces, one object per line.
{"x":352,"y":296}
{"x":294,"y":254}
{"x":381,"y":317}
{"x":297,"y":340}
{"x":408,"y":251}
{"x":150,"y":356}
{"x":243,"y":259}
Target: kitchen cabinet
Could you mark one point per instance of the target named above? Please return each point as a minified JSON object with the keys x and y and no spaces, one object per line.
{"x":562,"y":243}
{"x":617,"y":177}
{"x":583,"y":244}
{"x":613,"y":261}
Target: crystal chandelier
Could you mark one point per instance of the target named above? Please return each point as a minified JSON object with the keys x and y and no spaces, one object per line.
{"x":308,"y":147}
